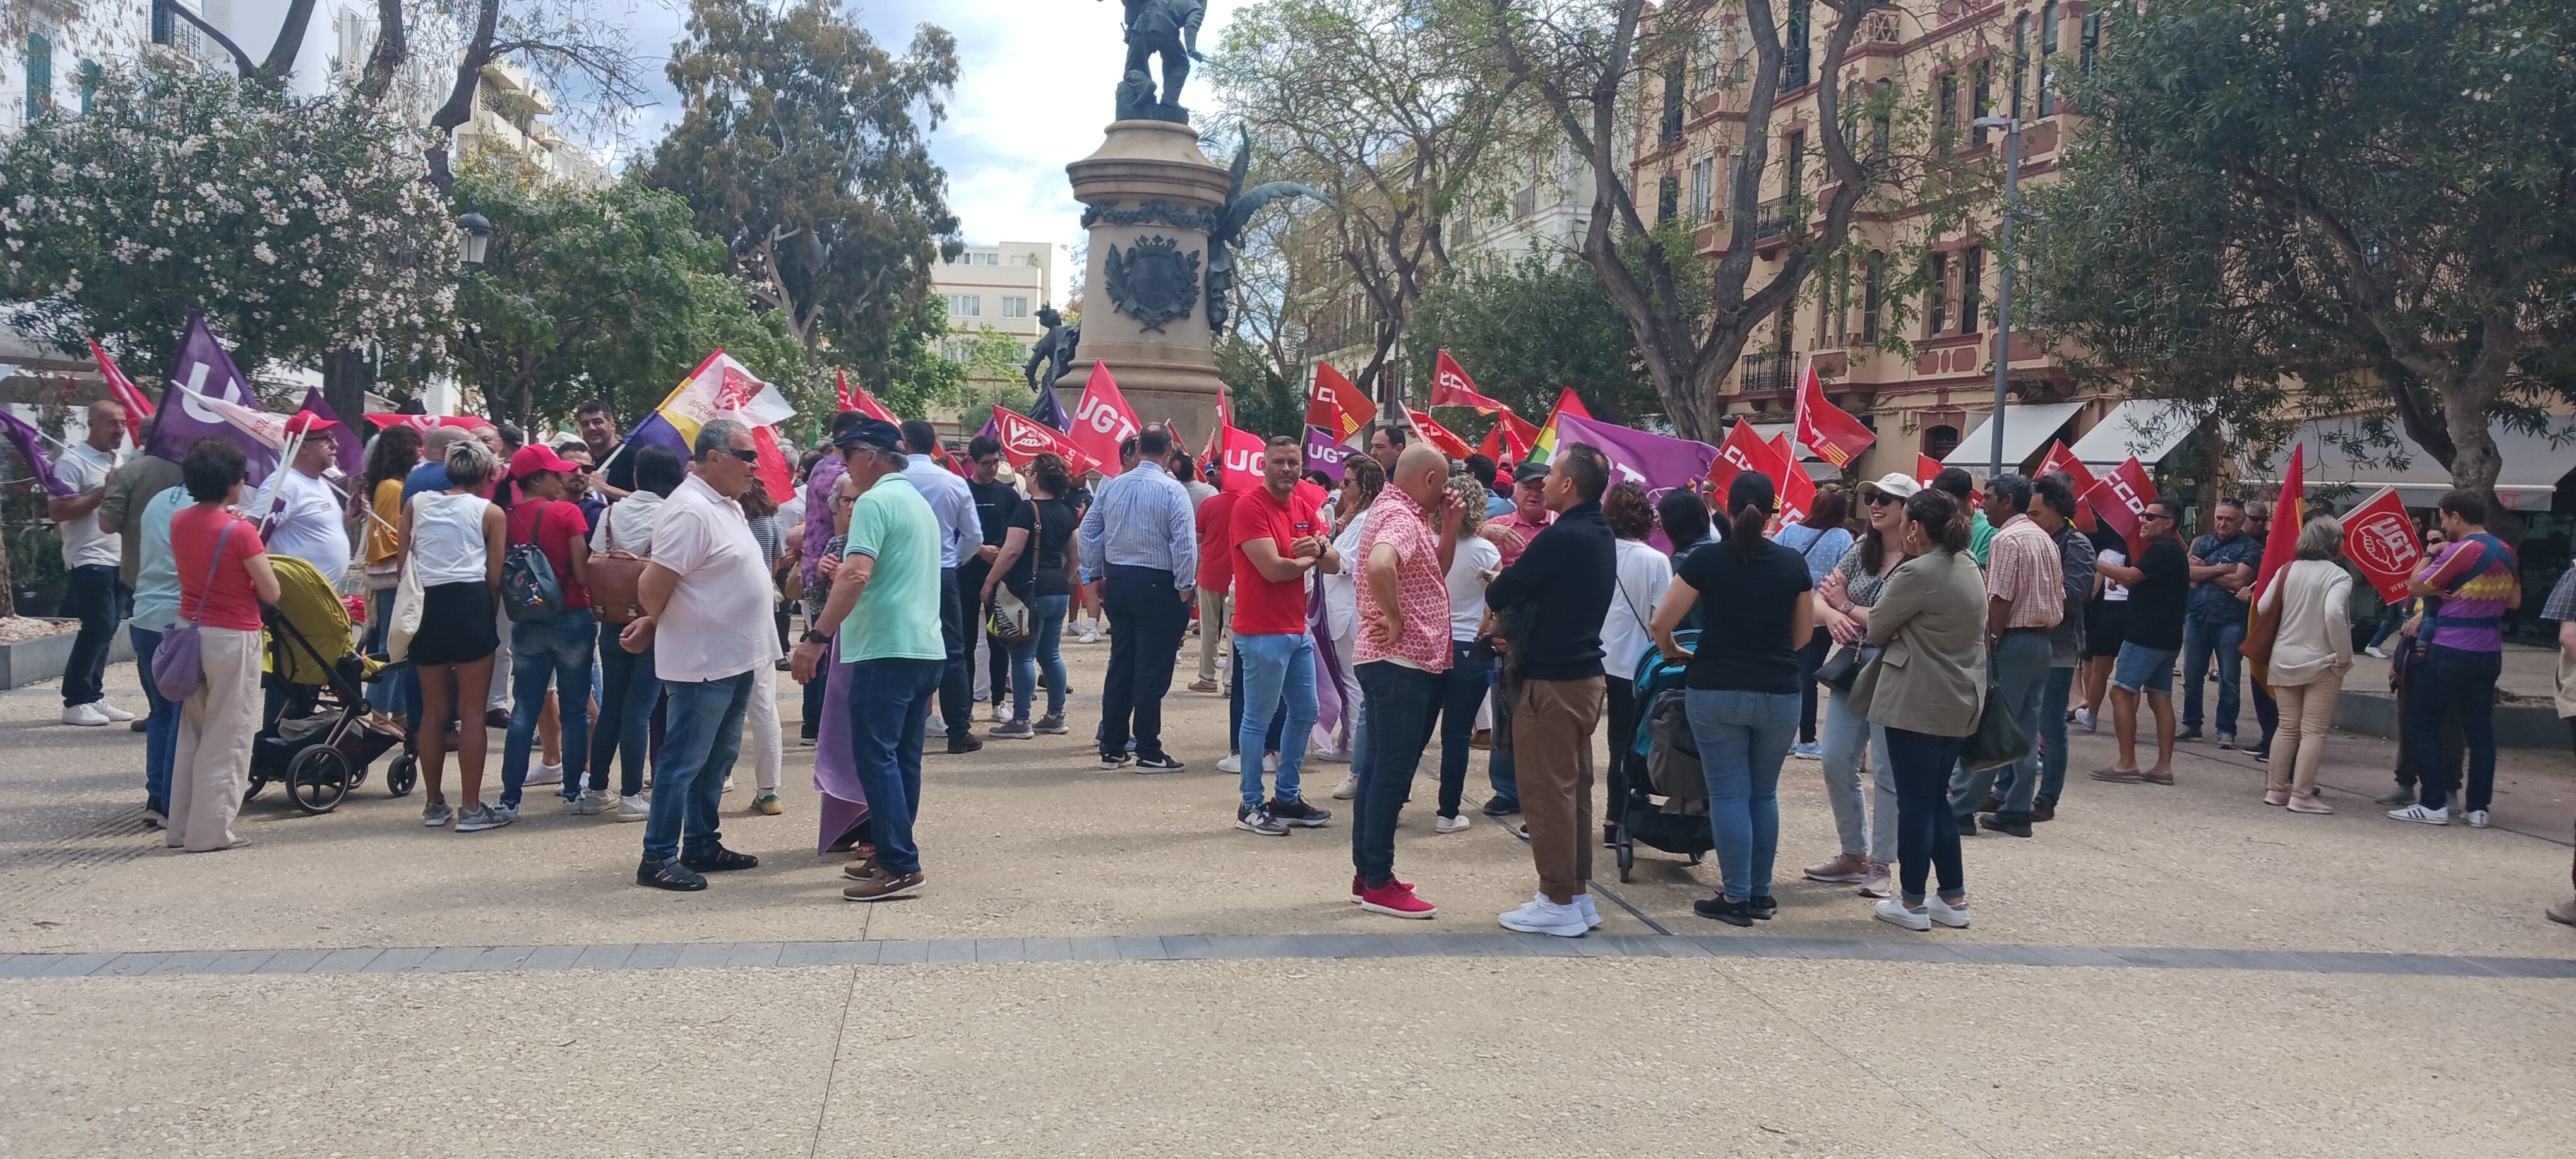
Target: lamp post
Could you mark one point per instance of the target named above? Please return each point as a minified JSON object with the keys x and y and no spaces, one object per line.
{"x":478,"y":236}
{"x":2003,"y":281}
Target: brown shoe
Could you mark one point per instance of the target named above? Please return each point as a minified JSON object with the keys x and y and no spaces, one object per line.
{"x":860,"y":870}
{"x":2155,"y":778}
{"x":1483,"y":739}
{"x":880,"y":887}
{"x":2564,"y":913}
{"x":1840,"y":869}
{"x":2043,"y":811}
{"x":2121,"y":776}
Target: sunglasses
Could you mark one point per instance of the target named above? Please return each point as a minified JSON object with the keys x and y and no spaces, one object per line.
{"x":745,"y":456}
{"x":1880,"y":499}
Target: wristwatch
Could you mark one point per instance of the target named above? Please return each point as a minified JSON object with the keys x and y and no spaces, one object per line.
{"x":1846,"y":608}
{"x":813,"y":637}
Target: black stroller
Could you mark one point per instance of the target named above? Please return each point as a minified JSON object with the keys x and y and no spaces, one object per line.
{"x":1637,"y":817}
{"x":316,"y":736}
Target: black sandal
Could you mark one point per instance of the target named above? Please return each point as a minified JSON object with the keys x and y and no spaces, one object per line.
{"x":670,"y":875}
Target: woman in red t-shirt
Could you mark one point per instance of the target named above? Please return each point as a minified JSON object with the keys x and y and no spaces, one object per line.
{"x":224,"y":577}
{"x":557,"y":650}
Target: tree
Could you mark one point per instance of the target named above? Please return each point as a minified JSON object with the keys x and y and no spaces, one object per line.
{"x":1527,"y":327}
{"x":804,"y":147}
{"x":300,"y":225}
{"x":1377,"y":105}
{"x":601,"y":293}
{"x":567,"y":44}
{"x":1582,"y":57}
{"x":2376,"y":204}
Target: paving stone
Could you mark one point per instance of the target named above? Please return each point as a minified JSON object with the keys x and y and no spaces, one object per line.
{"x":1091,"y":949}
{"x":344,"y":961}
{"x":1048,"y":949}
{"x":1140,"y":949}
{"x":829,"y":954}
{"x":754,"y":954}
{"x":186,"y":962}
{"x":702,"y":955}
{"x":604,"y":957}
{"x":502,"y":958}
{"x":947,"y":951}
{"x":399,"y":960}
{"x":655,"y":956}
{"x":901,"y":953}
{"x":451,"y":959}
{"x":293,"y":961}
{"x":129,"y":966}
{"x":239,"y":962}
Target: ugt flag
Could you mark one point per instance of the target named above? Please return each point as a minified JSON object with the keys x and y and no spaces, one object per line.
{"x":1659,"y":463}
{"x":721,"y":388}
{"x":1023,"y":439}
{"x":1104,"y":420}
{"x":1325,"y":452}
{"x":207,"y":398}
{"x":2379,"y":538}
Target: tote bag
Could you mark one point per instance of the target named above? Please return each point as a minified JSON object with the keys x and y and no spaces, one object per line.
{"x":403,"y":622}
{"x":1999,"y":739}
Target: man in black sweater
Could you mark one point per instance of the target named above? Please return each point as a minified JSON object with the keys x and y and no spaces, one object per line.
{"x":1561,"y":585}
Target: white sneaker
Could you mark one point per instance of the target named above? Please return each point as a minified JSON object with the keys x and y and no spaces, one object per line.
{"x":2477,"y":818}
{"x":636,"y":808}
{"x":1591,"y":913}
{"x":590,"y":803}
{"x":111,"y":711}
{"x":1230,"y":763}
{"x":84,"y":715}
{"x":2375,"y":652}
{"x":1953,"y":916}
{"x":1894,"y":913}
{"x":1090,"y":635}
{"x":1349,"y":788}
{"x":2421,"y":815}
{"x":545,"y":775}
{"x":1451,"y":824}
{"x":1269,"y":762}
{"x":2085,"y":717}
{"x":1001,"y":715}
{"x":728,"y":786}
{"x":1538,"y":915}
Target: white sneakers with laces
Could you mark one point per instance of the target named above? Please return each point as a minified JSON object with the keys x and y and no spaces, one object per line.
{"x":84,"y":715}
{"x":1450,"y":824}
{"x":1538,"y":915}
{"x":2420,"y":815}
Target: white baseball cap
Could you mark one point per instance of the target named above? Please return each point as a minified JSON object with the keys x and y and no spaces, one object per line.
{"x":1896,"y":483}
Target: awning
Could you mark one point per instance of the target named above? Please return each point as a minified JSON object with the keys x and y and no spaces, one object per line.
{"x":2027,"y":428}
{"x":2340,"y":453}
{"x":1817,"y":468}
{"x":2149,"y":428}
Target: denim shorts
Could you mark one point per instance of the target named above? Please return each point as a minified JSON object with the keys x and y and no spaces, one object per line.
{"x":2141,"y":669}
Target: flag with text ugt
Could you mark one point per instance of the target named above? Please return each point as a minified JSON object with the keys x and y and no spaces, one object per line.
{"x":1104,"y":420}
{"x":2379,"y":538}
{"x":721,"y":388}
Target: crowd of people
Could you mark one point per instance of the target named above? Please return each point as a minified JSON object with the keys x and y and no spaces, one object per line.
{"x":1885,"y":633}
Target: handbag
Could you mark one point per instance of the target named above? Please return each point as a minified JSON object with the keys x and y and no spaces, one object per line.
{"x":402,"y":622}
{"x":1843,"y":667}
{"x":530,"y":591}
{"x":178,"y":664}
{"x":615,"y":577}
{"x":1013,"y":623}
{"x":1999,"y":739}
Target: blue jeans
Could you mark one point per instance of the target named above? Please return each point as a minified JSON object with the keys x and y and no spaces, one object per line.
{"x":1401,"y":702}
{"x":887,"y":728}
{"x":1743,"y":737}
{"x":1864,"y":808}
{"x":2452,"y":680}
{"x":1927,"y":833}
{"x":557,"y":650}
{"x":96,"y":596}
{"x":2019,"y":668}
{"x":2199,"y":640}
{"x":705,"y":737}
{"x":1276,"y":666}
{"x":1234,"y":713}
{"x":1042,"y":651}
{"x":1462,"y":691}
{"x":628,"y":690}
{"x":160,"y":728}
{"x":386,"y":694}
{"x":1501,"y":770}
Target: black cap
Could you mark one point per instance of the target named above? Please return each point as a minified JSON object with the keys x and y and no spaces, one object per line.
{"x":1529,"y":473}
{"x":873,"y":433}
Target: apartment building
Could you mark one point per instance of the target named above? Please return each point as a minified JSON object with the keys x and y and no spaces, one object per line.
{"x":1000,"y":287}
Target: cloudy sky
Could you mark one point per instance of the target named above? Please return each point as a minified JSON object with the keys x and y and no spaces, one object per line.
{"x":1033,"y":92}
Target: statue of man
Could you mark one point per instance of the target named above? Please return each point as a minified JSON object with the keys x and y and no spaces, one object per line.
{"x":1170,"y":29}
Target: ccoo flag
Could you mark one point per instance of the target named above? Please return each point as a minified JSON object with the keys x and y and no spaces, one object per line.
{"x":1836,"y":437}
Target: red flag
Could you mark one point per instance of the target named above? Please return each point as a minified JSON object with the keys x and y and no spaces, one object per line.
{"x":1024,"y":439}
{"x":2121,"y":497}
{"x":2287,"y":514}
{"x":841,"y":400}
{"x":1492,"y":445}
{"x":1450,"y":386}
{"x":1926,"y":468}
{"x":1798,"y":497}
{"x":1438,"y":436}
{"x":1743,"y":451}
{"x":137,"y":407}
{"x":1338,"y":406}
{"x":858,"y":399}
{"x":776,"y":474}
{"x":1836,"y":437}
{"x":2379,"y":538}
{"x":1788,"y":460}
{"x":1519,"y":436}
{"x":1240,"y":467}
{"x":1543,"y":444}
{"x":2061,"y":459}
{"x":1104,"y":420}
{"x":383,"y":420}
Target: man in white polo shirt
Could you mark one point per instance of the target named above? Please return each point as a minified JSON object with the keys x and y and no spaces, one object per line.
{"x":307,"y":523}
{"x":95,"y":593}
{"x":712,"y":655}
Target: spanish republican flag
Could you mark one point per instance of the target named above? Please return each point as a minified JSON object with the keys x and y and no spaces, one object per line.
{"x":1567,"y":402}
{"x":721,"y":388}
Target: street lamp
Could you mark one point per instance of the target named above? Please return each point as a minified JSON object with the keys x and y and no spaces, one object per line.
{"x":2004,"y":280}
{"x":478,"y":235}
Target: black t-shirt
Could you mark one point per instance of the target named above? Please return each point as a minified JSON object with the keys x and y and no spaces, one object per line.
{"x":1745,"y":606}
{"x":995,"y":503}
{"x":621,"y":467}
{"x":1050,"y":523}
{"x":2156,"y":602}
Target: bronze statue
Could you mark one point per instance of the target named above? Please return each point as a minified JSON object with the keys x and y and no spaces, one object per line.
{"x":1054,"y":349}
{"x":1165,"y":28}
{"x":1227,"y":236}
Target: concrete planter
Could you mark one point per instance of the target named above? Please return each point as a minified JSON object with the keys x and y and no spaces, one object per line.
{"x":43,"y":658}
{"x":2517,"y":726}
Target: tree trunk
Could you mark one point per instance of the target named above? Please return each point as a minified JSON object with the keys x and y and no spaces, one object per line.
{"x":460,"y":100}
{"x":392,"y":48}
{"x":8,"y":589}
{"x":290,"y":43}
{"x":344,"y":385}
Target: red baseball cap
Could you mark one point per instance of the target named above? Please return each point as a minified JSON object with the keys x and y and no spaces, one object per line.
{"x":305,"y":422}
{"x":537,"y":457}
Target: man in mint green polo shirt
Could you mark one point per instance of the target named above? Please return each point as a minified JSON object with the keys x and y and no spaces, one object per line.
{"x":885,"y":597}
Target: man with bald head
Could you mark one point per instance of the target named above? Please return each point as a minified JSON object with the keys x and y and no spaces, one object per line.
{"x":1403,"y":652}
{"x":94,"y":593}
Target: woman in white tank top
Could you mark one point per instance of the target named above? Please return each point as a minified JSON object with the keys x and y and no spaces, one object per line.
{"x":454,"y":540}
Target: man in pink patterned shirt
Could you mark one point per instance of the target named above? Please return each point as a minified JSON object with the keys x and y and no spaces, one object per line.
{"x":1403,"y":649}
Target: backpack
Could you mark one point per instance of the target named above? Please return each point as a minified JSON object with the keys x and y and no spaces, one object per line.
{"x":530,"y":593}
{"x":1672,"y":761}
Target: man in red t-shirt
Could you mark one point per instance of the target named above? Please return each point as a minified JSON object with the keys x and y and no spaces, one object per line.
{"x":1216,"y":574}
{"x":1277,"y":537}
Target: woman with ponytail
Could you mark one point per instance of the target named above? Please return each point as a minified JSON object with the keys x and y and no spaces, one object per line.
{"x":1926,"y":688}
{"x":1741,"y":688}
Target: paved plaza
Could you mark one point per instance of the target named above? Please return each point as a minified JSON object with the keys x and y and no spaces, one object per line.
{"x":1103,"y":965}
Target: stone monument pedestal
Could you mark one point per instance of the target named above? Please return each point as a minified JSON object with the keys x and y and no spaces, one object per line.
{"x":1152,"y":197}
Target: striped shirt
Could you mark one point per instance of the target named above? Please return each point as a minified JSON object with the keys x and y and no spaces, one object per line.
{"x":2022,"y":569}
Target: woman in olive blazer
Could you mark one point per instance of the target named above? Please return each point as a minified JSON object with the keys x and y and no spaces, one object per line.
{"x":1926,"y":688}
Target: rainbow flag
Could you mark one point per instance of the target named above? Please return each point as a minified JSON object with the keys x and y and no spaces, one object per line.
{"x":1567,"y":403}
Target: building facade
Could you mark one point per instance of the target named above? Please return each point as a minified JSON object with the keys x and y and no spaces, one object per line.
{"x":1000,"y":287}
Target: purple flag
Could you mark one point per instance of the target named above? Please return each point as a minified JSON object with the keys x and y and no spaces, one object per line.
{"x":1050,"y":411}
{"x":31,"y":448}
{"x":1324,"y":453}
{"x":1660,"y":463}
{"x":202,"y":372}
{"x":992,"y":426}
{"x":352,"y":454}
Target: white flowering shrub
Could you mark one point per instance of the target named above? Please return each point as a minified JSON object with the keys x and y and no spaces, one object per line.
{"x":301,"y":225}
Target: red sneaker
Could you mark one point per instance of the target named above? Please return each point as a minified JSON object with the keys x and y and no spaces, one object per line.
{"x":1357,"y":889}
{"x":1395,"y":899}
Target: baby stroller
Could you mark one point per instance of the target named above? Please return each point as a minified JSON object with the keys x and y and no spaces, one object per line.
{"x":314,"y":735}
{"x":1673,"y":824}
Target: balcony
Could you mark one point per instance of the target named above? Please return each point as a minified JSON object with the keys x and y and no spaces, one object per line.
{"x":1755,"y":373}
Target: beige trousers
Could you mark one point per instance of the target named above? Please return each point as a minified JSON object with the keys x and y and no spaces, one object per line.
{"x":210,"y":769}
{"x":1552,"y":726}
{"x":762,"y":739}
{"x":1214,"y":617}
{"x":2299,"y":742}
